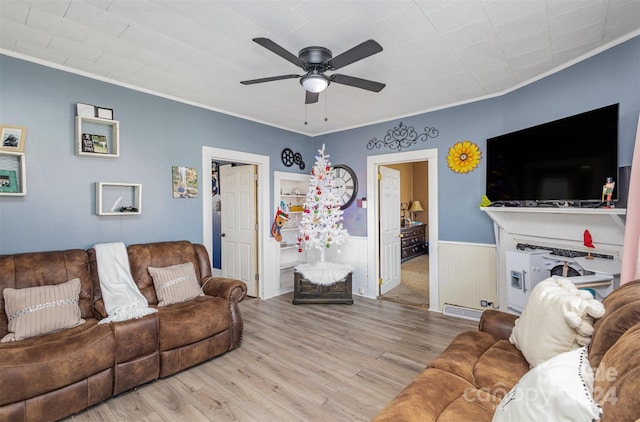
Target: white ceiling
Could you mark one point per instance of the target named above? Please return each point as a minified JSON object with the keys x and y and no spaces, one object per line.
{"x":436,"y":53}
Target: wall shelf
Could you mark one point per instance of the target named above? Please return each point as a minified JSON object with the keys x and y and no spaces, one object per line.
{"x":13,"y":174}
{"x":289,"y":189}
{"x":606,"y":224}
{"x":111,"y":197}
{"x":96,"y":137}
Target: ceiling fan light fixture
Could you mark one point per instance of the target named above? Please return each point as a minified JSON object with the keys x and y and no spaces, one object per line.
{"x":314,"y":82}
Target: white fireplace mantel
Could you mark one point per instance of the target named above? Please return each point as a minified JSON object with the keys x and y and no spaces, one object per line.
{"x":558,"y":227}
{"x":563,"y":226}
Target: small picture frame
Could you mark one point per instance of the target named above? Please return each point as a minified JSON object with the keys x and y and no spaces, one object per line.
{"x":8,"y":181}
{"x":104,"y":113}
{"x":97,"y":144}
{"x":12,"y":138}
{"x":87,"y":143}
{"x":184,"y":182}
{"x":85,"y":110}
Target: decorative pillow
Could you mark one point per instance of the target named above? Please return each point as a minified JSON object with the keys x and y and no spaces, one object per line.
{"x":175,"y":284}
{"x":560,"y":389}
{"x":557,"y":318}
{"x":34,"y":311}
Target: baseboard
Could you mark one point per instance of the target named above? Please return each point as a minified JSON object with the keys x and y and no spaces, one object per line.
{"x":461,"y":312}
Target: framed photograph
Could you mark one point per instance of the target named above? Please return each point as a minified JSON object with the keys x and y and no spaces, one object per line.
{"x":185,"y":182}
{"x":100,"y":145}
{"x":13,"y":138}
{"x":8,"y":181}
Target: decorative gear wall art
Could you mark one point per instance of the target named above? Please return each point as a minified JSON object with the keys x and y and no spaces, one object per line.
{"x":463,"y":157}
{"x":290,"y":158}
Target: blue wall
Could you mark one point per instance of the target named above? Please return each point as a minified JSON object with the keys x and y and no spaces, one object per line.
{"x":58,"y":211}
{"x":609,"y":77}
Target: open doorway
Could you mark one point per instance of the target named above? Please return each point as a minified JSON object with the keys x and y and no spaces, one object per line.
{"x":373,"y":216}
{"x":413,"y":286}
{"x":210,"y":155}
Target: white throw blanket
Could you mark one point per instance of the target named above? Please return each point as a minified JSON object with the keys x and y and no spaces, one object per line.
{"x":121,"y":296}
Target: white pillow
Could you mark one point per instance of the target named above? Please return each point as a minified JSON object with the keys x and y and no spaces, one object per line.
{"x":557,"y":318}
{"x":34,"y":311}
{"x":560,"y":389}
{"x":175,"y":284}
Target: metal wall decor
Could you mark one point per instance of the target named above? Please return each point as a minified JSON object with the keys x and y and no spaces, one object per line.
{"x":402,"y":136}
{"x":290,"y":158}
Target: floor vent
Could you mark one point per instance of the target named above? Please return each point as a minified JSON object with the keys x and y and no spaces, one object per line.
{"x":461,"y":312}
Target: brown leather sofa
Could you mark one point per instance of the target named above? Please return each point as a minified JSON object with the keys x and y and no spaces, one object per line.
{"x":55,"y":375}
{"x":468,"y":380}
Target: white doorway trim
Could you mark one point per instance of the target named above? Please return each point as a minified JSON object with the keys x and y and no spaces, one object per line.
{"x":210,"y":154}
{"x":373,"y":216}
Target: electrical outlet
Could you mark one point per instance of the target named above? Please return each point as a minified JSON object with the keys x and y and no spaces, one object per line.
{"x":484,"y":303}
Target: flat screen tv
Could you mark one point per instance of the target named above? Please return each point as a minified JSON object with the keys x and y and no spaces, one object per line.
{"x":566,"y":160}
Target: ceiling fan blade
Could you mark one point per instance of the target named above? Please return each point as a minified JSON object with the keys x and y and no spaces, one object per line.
{"x":272,"y":46}
{"x":311,"y":97}
{"x":272,"y":78}
{"x":357,"y":82}
{"x":359,"y":52}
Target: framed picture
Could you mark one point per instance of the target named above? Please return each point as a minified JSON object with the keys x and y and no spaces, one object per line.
{"x":185,"y":182}
{"x":8,"y":181}
{"x":13,"y":138}
{"x":104,"y":113}
{"x":100,"y":145}
{"x":87,"y":143}
{"x":85,"y":110}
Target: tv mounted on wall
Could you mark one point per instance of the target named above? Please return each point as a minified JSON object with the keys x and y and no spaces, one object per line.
{"x":563,"y":161}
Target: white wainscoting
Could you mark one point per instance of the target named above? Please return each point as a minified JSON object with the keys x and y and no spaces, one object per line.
{"x":271,"y":281}
{"x":467,"y":274}
{"x":354,"y":253}
{"x":467,"y":271}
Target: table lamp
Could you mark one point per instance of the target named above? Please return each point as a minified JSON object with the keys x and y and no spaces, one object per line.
{"x":416,"y":206}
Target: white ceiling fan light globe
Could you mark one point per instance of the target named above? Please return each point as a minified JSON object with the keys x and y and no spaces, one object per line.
{"x":314,"y":83}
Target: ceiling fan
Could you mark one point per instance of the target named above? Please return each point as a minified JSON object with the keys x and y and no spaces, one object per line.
{"x":315,"y":61}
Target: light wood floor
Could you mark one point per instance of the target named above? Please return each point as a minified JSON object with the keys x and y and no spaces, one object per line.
{"x":297,"y":363}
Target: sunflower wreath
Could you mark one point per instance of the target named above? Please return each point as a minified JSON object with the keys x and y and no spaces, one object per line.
{"x":463,"y":157}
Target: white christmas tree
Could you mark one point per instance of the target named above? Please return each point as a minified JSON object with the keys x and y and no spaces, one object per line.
{"x":321,"y":223}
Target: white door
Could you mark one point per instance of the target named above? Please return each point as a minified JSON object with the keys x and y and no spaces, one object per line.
{"x":390,"y":239}
{"x":238,"y":226}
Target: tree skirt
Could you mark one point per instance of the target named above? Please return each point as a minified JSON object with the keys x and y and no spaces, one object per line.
{"x":324,"y":273}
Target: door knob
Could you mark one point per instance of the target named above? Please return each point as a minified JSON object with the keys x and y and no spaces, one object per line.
{"x":222,"y":234}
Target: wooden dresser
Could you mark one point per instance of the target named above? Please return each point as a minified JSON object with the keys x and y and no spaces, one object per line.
{"x":414,"y":241}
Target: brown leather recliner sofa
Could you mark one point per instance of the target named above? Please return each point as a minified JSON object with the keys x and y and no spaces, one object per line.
{"x":478,"y":368}
{"x":55,"y":375}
